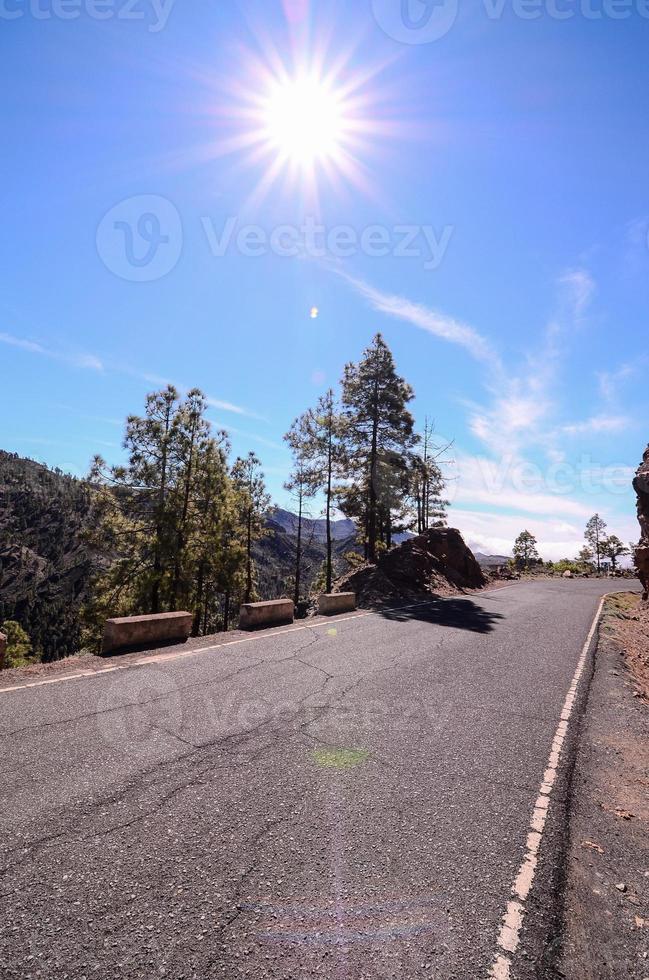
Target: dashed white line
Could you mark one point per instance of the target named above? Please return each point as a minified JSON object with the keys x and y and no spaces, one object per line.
{"x":512,"y":924}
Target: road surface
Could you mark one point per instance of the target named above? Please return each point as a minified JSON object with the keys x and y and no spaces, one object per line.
{"x":351,"y":800}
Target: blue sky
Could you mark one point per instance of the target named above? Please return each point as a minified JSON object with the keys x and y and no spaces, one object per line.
{"x":483,"y":204}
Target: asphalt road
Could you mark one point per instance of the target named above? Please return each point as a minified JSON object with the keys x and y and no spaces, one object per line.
{"x":346,"y":801}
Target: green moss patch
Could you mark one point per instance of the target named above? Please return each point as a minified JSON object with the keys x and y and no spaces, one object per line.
{"x":339,"y":758}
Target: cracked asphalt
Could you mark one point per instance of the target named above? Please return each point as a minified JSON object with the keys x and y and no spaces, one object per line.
{"x":348,"y":800}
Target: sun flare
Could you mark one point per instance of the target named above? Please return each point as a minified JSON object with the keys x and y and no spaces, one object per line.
{"x":304,"y":121}
{"x":306,"y":126}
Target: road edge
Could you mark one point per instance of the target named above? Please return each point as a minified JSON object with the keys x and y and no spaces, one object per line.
{"x":560,"y":769}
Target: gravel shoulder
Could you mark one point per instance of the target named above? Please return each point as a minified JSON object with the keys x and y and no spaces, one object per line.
{"x":606,"y":894}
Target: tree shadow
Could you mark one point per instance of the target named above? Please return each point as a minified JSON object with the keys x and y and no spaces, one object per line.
{"x":463,"y":614}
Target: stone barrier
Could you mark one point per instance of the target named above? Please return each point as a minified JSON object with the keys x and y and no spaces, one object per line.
{"x":253,"y":615}
{"x":3,"y":650}
{"x":336,"y":602}
{"x":131,"y":632}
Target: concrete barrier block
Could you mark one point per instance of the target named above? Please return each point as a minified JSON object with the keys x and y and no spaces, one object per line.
{"x":3,"y":650}
{"x":336,"y":602}
{"x":130,"y":632}
{"x":253,"y":615}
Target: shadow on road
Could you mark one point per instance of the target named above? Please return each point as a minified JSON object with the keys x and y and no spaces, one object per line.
{"x":462,"y":614}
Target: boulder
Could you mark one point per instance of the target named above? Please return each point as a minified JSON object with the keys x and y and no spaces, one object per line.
{"x":437,"y":561}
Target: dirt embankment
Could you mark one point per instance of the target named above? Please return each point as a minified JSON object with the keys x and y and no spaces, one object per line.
{"x":437,"y":562}
{"x":606,"y":900}
{"x":627,"y":624}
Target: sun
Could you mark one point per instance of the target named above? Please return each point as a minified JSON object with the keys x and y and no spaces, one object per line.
{"x":304,"y":121}
{"x":307,"y":124}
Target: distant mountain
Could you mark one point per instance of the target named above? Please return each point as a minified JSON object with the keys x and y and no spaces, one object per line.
{"x":315,"y":528}
{"x":490,"y":561}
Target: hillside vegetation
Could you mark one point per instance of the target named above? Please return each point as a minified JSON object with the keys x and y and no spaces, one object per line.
{"x":179,"y":524}
{"x":45,"y":566}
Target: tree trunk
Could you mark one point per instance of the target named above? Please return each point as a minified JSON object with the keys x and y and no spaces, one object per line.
{"x":371,"y":524}
{"x":298,"y":553}
{"x":328,"y":522}
{"x":226,"y":611}
{"x":198,"y":608}
{"x":249,"y":557}
{"x":180,"y":539}
{"x":162,"y":493}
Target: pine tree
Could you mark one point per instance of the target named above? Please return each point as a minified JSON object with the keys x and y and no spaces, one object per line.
{"x":525,"y":550}
{"x":379,"y":431}
{"x":315,"y":439}
{"x":168,"y":521}
{"x":301,"y":488}
{"x":253,"y":504}
{"x":19,"y":651}
{"x":134,"y":504}
{"x":595,"y":535}
{"x":216,"y":556}
{"x":585,"y":558}
{"x":427,"y":481}
{"x":613,"y":549}
{"x":193,"y":433}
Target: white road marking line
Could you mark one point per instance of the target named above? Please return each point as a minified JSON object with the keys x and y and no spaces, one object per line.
{"x":510,"y":931}
{"x":262,"y":635}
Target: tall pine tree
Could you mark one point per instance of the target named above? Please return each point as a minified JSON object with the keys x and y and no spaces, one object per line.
{"x":315,"y":438}
{"x":253,"y":504}
{"x":379,"y":434}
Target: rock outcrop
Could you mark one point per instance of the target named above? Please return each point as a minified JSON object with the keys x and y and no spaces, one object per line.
{"x":641,"y":487}
{"x":436,"y":562}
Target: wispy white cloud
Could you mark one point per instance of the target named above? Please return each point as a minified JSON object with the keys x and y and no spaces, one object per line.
{"x":235,"y":409}
{"x":253,"y":437}
{"x":92,"y":362}
{"x":28,"y":345}
{"x":514,"y":419}
{"x":81,"y":360}
{"x":597,"y":424}
{"x":611,"y":383}
{"x":424,"y":318}
{"x":580,"y":287}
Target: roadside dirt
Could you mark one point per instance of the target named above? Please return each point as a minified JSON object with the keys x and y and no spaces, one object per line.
{"x":606,"y":895}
